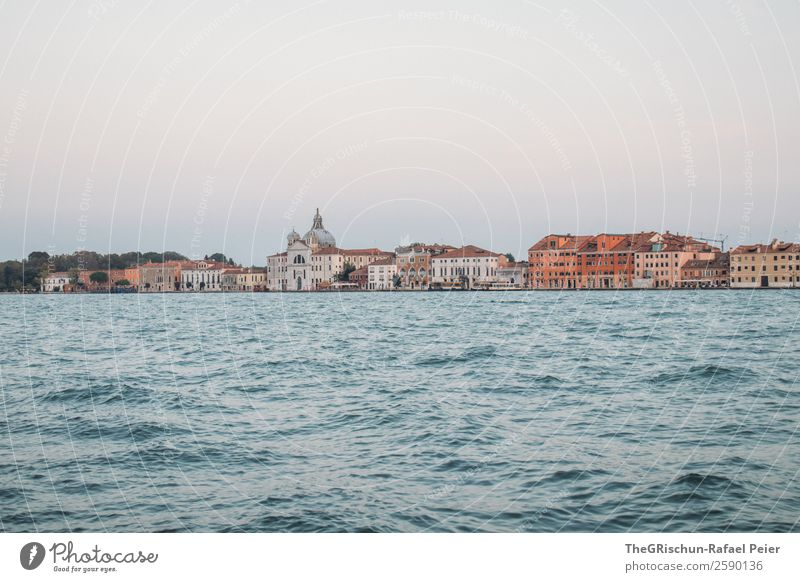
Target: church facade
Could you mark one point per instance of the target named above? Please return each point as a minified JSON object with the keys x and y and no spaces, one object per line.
{"x":314,"y":262}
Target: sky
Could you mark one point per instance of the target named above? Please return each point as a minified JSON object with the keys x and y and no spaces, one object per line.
{"x":204,"y":127}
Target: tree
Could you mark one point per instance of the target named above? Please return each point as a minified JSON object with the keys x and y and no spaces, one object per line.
{"x":345,"y":274}
{"x":122,"y":283}
{"x":73,"y":275}
{"x":397,"y":281}
{"x":99,"y":277}
{"x":510,"y":257}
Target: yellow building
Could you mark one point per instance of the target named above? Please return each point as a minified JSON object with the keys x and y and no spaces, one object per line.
{"x":238,"y":279}
{"x":774,"y":265}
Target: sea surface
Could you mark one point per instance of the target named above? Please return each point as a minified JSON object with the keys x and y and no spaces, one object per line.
{"x":459,"y":412}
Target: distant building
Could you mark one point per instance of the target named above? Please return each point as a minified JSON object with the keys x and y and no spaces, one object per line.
{"x":244,"y":279}
{"x":414,"y":264}
{"x":161,"y":277}
{"x":513,"y":275}
{"x":706,"y":273}
{"x":114,"y":277}
{"x":603,"y":261}
{"x":469,"y":267}
{"x":659,"y":260}
{"x":552,"y":262}
{"x":202,"y":276}
{"x":359,"y":277}
{"x":381,"y":275}
{"x":774,"y":265}
{"x":314,"y":261}
{"x":55,"y":282}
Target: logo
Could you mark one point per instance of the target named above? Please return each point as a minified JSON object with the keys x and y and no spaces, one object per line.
{"x":31,"y":555}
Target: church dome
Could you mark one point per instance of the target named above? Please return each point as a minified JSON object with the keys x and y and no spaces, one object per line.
{"x":292,"y":237}
{"x":318,"y":236}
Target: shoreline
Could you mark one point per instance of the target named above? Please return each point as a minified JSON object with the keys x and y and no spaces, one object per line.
{"x":403,"y":291}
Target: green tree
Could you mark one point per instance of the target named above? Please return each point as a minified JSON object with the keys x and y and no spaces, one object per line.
{"x":122,"y":283}
{"x":345,"y":274}
{"x":99,"y":277}
{"x":510,"y":257}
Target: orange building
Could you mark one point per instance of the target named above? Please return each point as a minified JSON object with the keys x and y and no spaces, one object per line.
{"x":603,"y":261}
{"x":552,"y":261}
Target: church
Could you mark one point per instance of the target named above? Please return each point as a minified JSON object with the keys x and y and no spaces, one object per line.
{"x":314,"y":262}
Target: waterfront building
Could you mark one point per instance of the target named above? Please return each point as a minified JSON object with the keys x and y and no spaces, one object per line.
{"x":659,"y":260}
{"x":381,"y":275}
{"x":56,"y":282}
{"x":469,"y":267}
{"x":513,"y":275}
{"x":614,"y":261}
{"x":603,"y":261}
{"x":131,"y":275}
{"x":359,"y":277}
{"x":552,"y":262}
{"x":243,"y":279}
{"x":774,"y":265}
{"x":706,"y":273}
{"x":414,"y":264}
{"x":161,"y":277}
{"x":202,"y":276}
{"x":114,"y":276}
{"x":314,"y":261}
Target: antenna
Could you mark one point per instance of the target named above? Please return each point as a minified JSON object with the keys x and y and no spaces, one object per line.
{"x":721,"y":241}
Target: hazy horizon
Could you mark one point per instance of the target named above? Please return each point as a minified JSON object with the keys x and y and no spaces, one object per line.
{"x":206,"y":127}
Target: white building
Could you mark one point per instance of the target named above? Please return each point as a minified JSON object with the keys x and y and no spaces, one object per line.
{"x":469,"y":267}
{"x":314,"y":261}
{"x":202,"y":276}
{"x":54,"y":282}
{"x":381,"y":274}
{"x":513,"y":275}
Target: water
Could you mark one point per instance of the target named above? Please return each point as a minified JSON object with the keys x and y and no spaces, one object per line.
{"x":630,"y":411}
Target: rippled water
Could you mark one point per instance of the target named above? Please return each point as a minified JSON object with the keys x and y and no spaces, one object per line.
{"x":643,"y":411}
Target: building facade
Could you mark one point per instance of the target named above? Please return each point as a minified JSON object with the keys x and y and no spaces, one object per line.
{"x":469,"y":267}
{"x":552,"y":262}
{"x":56,"y":282}
{"x":514,"y":275}
{"x":659,"y":261}
{"x":160,"y":277}
{"x":241,"y":279}
{"x":706,"y":273}
{"x":381,"y":275}
{"x":763,"y":266}
{"x":414,"y":264}
{"x":314,"y":262}
{"x":202,"y":276}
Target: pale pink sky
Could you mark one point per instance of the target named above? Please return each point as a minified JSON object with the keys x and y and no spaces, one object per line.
{"x":209,"y":126}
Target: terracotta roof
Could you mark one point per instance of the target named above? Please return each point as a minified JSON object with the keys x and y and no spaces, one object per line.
{"x":567,"y":241}
{"x":382,"y":262}
{"x":349,"y":252}
{"x":721,"y":261}
{"x":327,"y":251}
{"x":774,"y":247}
{"x":366,"y":252}
{"x":466,"y":251}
